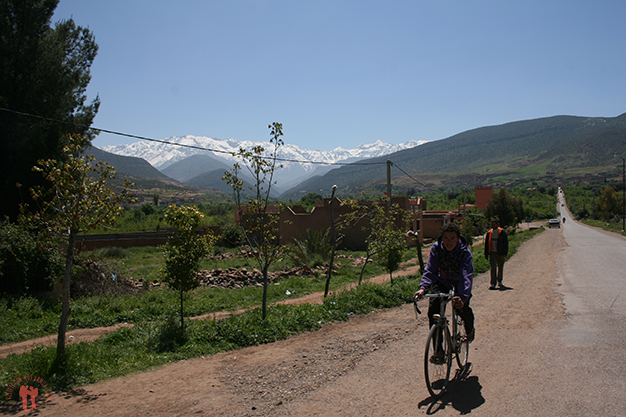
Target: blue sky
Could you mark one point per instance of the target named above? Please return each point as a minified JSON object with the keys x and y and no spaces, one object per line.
{"x":343,"y":73}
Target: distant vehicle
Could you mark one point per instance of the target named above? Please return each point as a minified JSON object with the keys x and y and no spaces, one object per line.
{"x":554,"y":223}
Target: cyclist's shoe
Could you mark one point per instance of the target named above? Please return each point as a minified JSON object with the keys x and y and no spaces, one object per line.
{"x":492,"y":287}
{"x":501,"y":285}
{"x":471,"y":335}
{"x":438,"y":358}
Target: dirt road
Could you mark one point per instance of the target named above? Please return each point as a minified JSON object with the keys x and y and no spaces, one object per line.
{"x":368,"y":366}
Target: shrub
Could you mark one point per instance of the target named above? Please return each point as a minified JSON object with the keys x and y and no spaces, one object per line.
{"x":25,"y":266}
{"x":231,"y":236}
{"x":113,"y":252}
{"x":313,"y":250}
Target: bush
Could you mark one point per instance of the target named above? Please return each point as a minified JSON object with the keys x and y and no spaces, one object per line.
{"x":113,"y":252}
{"x":231,"y":236}
{"x":314,"y":250}
{"x":25,"y":266}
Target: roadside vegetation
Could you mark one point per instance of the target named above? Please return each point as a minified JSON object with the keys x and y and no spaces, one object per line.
{"x":598,"y":206}
{"x":155,"y":339}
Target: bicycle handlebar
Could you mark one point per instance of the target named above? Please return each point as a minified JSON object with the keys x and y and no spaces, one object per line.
{"x":441,"y":294}
{"x":448,"y":295}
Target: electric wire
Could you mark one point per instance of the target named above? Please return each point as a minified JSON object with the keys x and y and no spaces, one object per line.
{"x":408,"y":175}
{"x":203,"y":148}
{"x":182,"y":144}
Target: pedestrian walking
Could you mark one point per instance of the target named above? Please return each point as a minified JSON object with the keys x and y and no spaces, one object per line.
{"x":496,"y":250}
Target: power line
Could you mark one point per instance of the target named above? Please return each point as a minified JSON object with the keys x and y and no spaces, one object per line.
{"x":180,"y":144}
{"x":408,"y":175}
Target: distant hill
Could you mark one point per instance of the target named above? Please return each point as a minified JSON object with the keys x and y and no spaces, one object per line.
{"x":193,"y":166}
{"x":213,"y":180}
{"x":127,"y":164}
{"x":552,"y":148}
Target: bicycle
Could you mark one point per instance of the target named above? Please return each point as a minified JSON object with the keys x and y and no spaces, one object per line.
{"x":442,"y":345}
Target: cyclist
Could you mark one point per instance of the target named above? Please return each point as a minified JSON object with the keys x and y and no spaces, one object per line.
{"x":450,"y":265}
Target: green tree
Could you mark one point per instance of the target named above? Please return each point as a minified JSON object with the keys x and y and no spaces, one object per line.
{"x":26,"y":266}
{"x":44,"y":71}
{"x":184,"y":250}
{"x":308,"y":201}
{"x":386,"y":238}
{"x":472,"y":224}
{"x":505,"y":207}
{"x":607,"y":204}
{"x":76,"y":200}
{"x":259,"y":225}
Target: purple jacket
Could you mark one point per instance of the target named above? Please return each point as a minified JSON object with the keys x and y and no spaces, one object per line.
{"x":450,"y":268}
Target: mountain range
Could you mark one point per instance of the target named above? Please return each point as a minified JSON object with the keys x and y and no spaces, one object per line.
{"x":201,"y":161}
{"x":547,"y":150}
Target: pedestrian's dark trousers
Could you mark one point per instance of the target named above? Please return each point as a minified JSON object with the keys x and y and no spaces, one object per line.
{"x":497,"y":264}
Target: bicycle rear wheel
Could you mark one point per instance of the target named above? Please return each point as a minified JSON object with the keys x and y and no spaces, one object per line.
{"x":437,"y":359}
{"x":461,"y":344}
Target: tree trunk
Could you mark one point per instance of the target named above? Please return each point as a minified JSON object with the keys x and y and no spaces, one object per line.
{"x":363,"y":268}
{"x":65,"y":303}
{"x":182,"y":323}
{"x":419,"y":254}
{"x":265,"y":285}
{"x":333,"y":242}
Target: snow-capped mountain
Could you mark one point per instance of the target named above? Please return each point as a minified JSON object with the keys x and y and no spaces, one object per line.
{"x":161,"y":155}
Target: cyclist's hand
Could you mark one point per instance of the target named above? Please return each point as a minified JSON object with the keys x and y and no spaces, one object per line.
{"x":419,"y":294}
{"x":457,"y":302}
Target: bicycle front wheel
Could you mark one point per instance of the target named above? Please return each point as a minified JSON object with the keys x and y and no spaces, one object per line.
{"x":461,"y":344}
{"x":437,"y":359}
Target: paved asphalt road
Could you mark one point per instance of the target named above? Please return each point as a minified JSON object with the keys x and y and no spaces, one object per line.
{"x":592,"y":274}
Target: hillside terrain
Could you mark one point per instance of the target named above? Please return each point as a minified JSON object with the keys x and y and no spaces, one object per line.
{"x":549,"y":150}
{"x":542,"y":151}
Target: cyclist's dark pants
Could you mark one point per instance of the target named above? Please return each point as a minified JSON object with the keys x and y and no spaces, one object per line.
{"x":465,"y":313}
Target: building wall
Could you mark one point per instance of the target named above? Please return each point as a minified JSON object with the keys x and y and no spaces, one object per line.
{"x":294,"y":224}
{"x":483,"y":196}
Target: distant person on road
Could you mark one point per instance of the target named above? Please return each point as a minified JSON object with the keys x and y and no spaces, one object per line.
{"x":450,"y":265}
{"x":496,"y":250}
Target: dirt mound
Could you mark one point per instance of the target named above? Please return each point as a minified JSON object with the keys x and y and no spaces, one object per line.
{"x":92,"y":278}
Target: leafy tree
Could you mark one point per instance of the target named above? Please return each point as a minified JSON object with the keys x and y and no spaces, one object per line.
{"x":472,"y":224}
{"x":308,"y":201}
{"x":258,"y":224}
{"x":25,"y":265}
{"x":505,"y":207}
{"x":387,"y":237}
{"x":184,"y":250}
{"x":386,"y":240}
{"x":77,"y":200}
{"x":607,"y":204}
{"x":44,"y":71}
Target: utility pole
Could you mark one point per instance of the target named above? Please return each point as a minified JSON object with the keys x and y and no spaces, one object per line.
{"x":623,"y":192}
{"x":388,"y":186}
{"x":333,"y":238}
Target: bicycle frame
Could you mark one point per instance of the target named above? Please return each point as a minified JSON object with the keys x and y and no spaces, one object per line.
{"x":452,"y":338}
{"x":441,"y":317}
